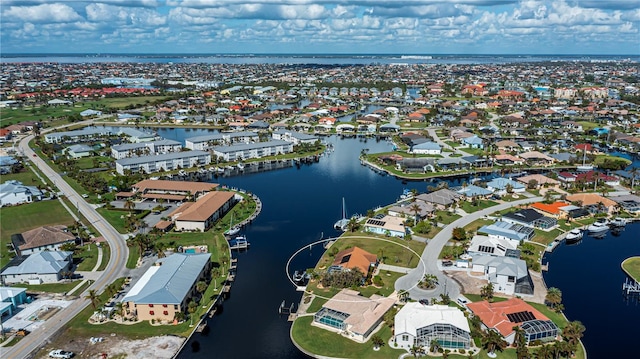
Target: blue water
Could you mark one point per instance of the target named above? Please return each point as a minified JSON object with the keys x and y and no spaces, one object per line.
{"x":590,"y":278}
{"x":318,"y":59}
{"x":300,"y":206}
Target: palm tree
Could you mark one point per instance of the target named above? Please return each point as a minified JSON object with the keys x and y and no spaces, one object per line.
{"x":554,"y":297}
{"x":120,"y":308}
{"x":215,"y":273}
{"x":191,"y":308}
{"x":377,"y":341}
{"x":415,"y":208}
{"x":352,"y":225}
{"x":544,"y":352}
{"x":572,"y":333}
{"x":486,"y":292}
{"x":201,"y":286}
{"x":129,"y":205}
{"x":434,"y":345}
{"x":93,"y":297}
{"x":417,"y":351}
{"x":493,"y":341}
{"x":520,"y":341}
{"x":159,"y":248}
{"x":634,"y":173}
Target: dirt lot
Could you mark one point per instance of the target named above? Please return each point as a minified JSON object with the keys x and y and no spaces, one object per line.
{"x":115,"y":347}
{"x":473,"y":285}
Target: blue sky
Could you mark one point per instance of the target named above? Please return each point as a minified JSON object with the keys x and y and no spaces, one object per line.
{"x":321,"y":26}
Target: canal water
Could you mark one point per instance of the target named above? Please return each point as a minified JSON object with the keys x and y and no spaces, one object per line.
{"x":590,"y":278}
{"x":300,"y":205}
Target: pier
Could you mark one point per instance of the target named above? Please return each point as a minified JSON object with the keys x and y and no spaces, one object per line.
{"x":283,"y":309}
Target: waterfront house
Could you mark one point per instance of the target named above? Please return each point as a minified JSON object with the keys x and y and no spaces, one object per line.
{"x":415,"y":165}
{"x":387,"y":225}
{"x":471,"y":191}
{"x":629,"y":203}
{"x":38,"y":268}
{"x":586,"y":200}
{"x":356,"y":258}
{"x":530,"y":218}
{"x":425,"y":210}
{"x":45,"y":238}
{"x":167,"y":287}
{"x":501,"y":186}
{"x":493,"y":246}
{"x":540,"y":180}
{"x":516,"y":233}
{"x":441,"y":198}
{"x":504,"y":316}
{"x":203,"y":213}
{"x":426,"y":148}
{"x":352,"y":315}
{"x":14,"y":192}
{"x":535,"y":158}
{"x":554,"y":210}
{"x":417,"y":325}
{"x":507,"y":274}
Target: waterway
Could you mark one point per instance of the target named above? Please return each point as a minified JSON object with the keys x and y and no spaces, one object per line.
{"x":300,"y":206}
{"x":590,"y":278}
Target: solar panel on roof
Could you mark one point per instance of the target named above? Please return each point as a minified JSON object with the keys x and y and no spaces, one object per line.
{"x":520,"y":317}
{"x":376,"y":222}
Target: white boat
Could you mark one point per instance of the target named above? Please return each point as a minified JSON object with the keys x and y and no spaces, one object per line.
{"x":229,"y":167}
{"x":342,"y":223}
{"x":240,"y":166}
{"x":202,"y":170}
{"x":219,"y":170}
{"x":154,"y":178}
{"x":574,"y":235}
{"x":584,"y":167}
{"x":182,"y":173}
{"x":618,"y":222}
{"x":233,"y":230}
{"x":598,"y":227}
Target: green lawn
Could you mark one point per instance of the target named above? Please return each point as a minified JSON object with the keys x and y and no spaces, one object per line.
{"x":632,"y":267}
{"x":544,"y":237}
{"x":106,"y":253}
{"x":473,"y":226}
{"x":87,"y":257}
{"x":18,"y":219}
{"x":26,"y":177}
{"x":326,"y":343}
{"x":51,"y":287}
{"x":470,"y":208}
{"x":446,"y":217}
{"x":473,"y":151}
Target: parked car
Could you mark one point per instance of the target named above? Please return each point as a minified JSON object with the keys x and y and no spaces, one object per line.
{"x":447,"y":263}
{"x":61,"y":354}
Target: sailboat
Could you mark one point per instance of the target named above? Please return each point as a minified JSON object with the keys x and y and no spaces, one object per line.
{"x":342,"y":223}
{"x":232,"y":230}
{"x":584,"y":167}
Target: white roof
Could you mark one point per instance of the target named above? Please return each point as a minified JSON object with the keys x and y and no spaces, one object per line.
{"x":414,"y":315}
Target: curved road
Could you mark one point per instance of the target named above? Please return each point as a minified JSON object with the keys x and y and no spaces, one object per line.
{"x":433,"y":249}
{"x":117,"y":262}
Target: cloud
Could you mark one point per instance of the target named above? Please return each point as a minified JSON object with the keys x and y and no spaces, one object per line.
{"x":42,"y":13}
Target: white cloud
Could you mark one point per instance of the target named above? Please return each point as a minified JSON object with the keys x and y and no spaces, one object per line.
{"x":42,"y":13}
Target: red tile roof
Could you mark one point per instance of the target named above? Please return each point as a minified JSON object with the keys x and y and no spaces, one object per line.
{"x":494,"y":315}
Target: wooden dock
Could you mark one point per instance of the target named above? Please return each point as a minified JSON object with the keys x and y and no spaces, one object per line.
{"x":213,"y":311}
{"x":201,"y":327}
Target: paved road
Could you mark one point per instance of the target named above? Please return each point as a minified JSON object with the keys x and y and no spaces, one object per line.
{"x":117,"y":261}
{"x":429,"y":258}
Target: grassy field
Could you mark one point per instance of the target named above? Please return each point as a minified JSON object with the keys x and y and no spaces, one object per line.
{"x":52,"y":287}
{"x":473,"y":226}
{"x":632,"y":267}
{"x":470,"y":208}
{"x":544,"y":237}
{"x":26,"y":177}
{"x":326,"y":343}
{"x":18,"y":219}
{"x":446,"y":217}
{"x":87,"y":257}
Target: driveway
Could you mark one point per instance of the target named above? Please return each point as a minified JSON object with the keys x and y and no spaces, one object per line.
{"x":431,"y":252}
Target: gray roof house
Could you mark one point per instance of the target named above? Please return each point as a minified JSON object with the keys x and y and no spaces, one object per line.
{"x":37,"y":268}
{"x":510,"y":231}
{"x":508,"y":275}
{"x":78,"y":150}
{"x":167,"y":285}
{"x":14,"y":192}
{"x":442,"y":197}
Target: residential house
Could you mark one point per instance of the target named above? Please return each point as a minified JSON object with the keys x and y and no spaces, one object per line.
{"x":441,"y":199}
{"x":426,"y":148}
{"x":354,"y":316}
{"x":78,"y":151}
{"x":493,"y":246}
{"x":167,"y":287}
{"x":504,"y":316}
{"x":554,"y":210}
{"x":539,"y":180}
{"x":535,"y":158}
{"x":424,"y":210}
{"x":45,"y":238}
{"x":508,"y":275}
{"x":38,"y":268}
{"x":593,"y":200}
{"x":418,"y":325}
{"x":501,"y":186}
{"x":387,"y":225}
{"x":515,"y":233}
{"x":530,"y":218}
{"x":473,"y":142}
{"x":471,"y":191}
{"x":356,"y":258}
{"x":10,"y":299}
{"x":13,"y":192}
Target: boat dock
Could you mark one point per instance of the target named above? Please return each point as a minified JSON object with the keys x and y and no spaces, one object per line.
{"x":283,"y":309}
{"x":201,"y":327}
{"x":235,"y":244}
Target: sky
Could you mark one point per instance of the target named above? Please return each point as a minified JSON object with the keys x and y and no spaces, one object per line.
{"x":427,"y":27}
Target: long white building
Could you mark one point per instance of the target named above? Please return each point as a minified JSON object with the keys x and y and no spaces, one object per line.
{"x":145,"y":148}
{"x":294,"y":137}
{"x":166,"y":162}
{"x":206,"y":142}
{"x":253,"y":150}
